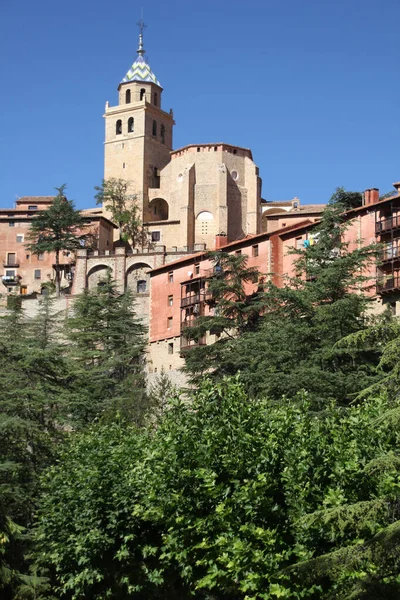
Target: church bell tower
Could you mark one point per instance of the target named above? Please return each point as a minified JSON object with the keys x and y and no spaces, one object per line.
{"x":138,"y":133}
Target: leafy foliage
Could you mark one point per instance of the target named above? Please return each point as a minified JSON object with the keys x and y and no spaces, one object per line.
{"x":229,"y":498}
{"x":123,"y":206}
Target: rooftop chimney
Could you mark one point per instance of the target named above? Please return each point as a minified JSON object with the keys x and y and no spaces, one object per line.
{"x":374,"y":196}
{"x":397,"y":186}
{"x":221,"y":239}
{"x":367,"y":195}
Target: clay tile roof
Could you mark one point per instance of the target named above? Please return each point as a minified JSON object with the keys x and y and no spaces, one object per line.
{"x":311,"y":208}
{"x":37,"y":199}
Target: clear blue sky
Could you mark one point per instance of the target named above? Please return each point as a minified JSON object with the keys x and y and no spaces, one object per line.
{"x":311,"y":86}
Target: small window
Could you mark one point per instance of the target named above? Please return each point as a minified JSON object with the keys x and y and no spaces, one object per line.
{"x":299,"y":242}
{"x":11,"y":259}
{"x":128,"y":97}
{"x":130,"y":125}
{"x":170,"y":349}
{"x":143,"y":94}
{"x":198,"y":149}
{"x":27,"y":256}
{"x":155,"y":99}
{"x":170,"y":300}
{"x":154,"y":128}
{"x":123,"y":165}
{"x":197,"y":268}
{"x":20,"y":238}
{"x":155,"y":236}
{"x":141,"y":286}
{"x":255,"y":250}
{"x":11,"y":223}
{"x":169,"y":323}
{"x":162,"y":134}
{"x":234,"y":151}
{"x":38,"y":274}
{"x":10,"y":273}
{"x":215,"y":148}
{"x":32,"y":207}
{"x":170,"y":277}
{"x":238,"y":252}
{"x":118,"y":127}
{"x":40,"y":256}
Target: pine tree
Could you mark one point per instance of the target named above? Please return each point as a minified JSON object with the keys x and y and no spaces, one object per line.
{"x":55,"y":230}
{"x":107,"y":356}
{"x":290,"y":341}
{"x":32,"y":376}
{"x":233,"y":311}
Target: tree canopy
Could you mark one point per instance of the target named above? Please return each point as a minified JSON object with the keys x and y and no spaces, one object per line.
{"x":57,"y":229}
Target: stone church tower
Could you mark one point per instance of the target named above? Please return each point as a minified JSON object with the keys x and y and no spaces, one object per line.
{"x":138,"y":136}
{"x":196,"y":195}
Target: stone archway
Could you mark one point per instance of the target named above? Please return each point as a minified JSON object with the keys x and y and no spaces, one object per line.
{"x":96,"y":275}
{"x":137,"y":278}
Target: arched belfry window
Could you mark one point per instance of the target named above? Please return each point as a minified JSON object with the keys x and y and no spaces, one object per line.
{"x":154,"y":128}
{"x":118,"y":127}
{"x":131,"y":125}
{"x":128,"y":97}
{"x":143,"y":94}
{"x":162,"y":134}
{"x":155,"y":99}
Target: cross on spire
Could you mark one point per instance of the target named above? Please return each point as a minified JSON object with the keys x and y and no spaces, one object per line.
{"x":141,"y":24}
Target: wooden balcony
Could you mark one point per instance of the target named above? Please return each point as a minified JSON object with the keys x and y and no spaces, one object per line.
{"x":388,"y":224}
{"x":392,"y":284}
{"x":192,"y":299}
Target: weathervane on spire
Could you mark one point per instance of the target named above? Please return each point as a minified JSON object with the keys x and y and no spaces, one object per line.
{"x":141,"y":25}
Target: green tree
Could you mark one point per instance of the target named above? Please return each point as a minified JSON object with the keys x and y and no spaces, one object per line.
{"x":233,"y":311}
{"x":106,"y":355}
{"x":228,"y":498}
{"x":115,"y":196}
{"x":345,"y":199}
{"x":293,"y":343}
{"x":55,"y":230}
{"x":32,"y":379}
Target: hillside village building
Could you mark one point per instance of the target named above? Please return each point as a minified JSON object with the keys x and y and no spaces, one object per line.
{"x":193,"y":199}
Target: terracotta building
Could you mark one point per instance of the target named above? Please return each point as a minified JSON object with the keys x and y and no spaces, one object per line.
{"x":25,"y":273}
{"x":179,"y":290}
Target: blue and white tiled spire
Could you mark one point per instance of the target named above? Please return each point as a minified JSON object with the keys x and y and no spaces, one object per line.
{"x":140,"y":70}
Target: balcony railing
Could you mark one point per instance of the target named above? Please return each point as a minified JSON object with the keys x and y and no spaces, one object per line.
{"x":388,"y":285}
{"x":10,"y":265}
{"x":193,"y":299}
{"x":11,"y":279}
{"x":391,"y":252}
{"x":188,"y":344}
{"x":387,"y":224}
